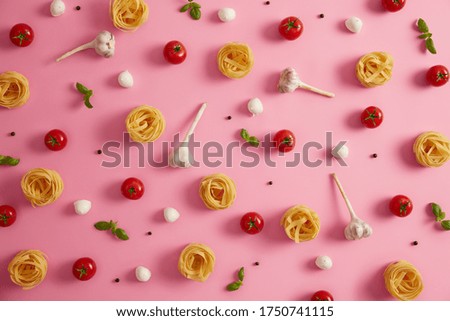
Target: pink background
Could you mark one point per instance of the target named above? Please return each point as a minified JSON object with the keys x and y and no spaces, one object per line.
{"x":325,"y":56}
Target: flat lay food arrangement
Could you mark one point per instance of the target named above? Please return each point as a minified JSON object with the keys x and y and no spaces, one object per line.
{"x":213,"y":150}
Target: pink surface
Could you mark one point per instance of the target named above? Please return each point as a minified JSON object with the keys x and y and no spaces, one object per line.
{"x":325,"y":56}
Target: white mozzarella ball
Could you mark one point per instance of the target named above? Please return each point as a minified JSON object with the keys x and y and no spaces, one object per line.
{"x":82,"y":207}
{"x":126,"y":79}
{"x":171,"y":214}
{"x":324,"y":262}
{"x":143,"y":274}
{"x":354,"y":24}
{"x":226,"y":14}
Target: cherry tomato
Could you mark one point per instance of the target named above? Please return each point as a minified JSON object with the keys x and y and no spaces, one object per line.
{"x":84,"y":268}
{"x":372,"y":117}
{"x":175,"y":52}
{"x":55,"y":140}
{"x":401,"y":205}
{"x":133,"y":188}
{"x":322,"y":296}
{"x":290,"y":28}
{"x":284,"y":140}
{"x":21,"y":35}
{"x":252,"y":223}
{"x":7,"y":215}
{"x":437,"y":75}
{"x":393,"y":5}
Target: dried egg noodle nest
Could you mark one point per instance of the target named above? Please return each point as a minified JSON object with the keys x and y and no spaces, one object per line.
{"x":28,"y":268}
{"x":42,"y":186}
{"x":235,"y":60}
{"x":128,"y":15}
{"x":217,"y":191}
{"x":145,"y":124}
{"x":196,"y":262}
{"x":14,"y":90}
{"x":301,"y":223}
{"x":403,"y":280}
{"x":374,"y":69}
{"x":432,"y":149}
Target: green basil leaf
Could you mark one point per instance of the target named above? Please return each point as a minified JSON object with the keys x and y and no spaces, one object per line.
{"x":195,"y":5}
{"x":253,"y":141}
{"x":82,"y":89}
{"x":195,"y":13}
{"x":430,"y":46}
{"x":244,"y":134}
{"x":437,"y":211}
{"x":446,"y":225}
{"x":185,"y":7}
{"x":425,"y":35}
{"x":121,"y":234}
{"x":87,"y":102}
{"x":8,"y":160}
{"x":422,"y":25}
{"x":241,"y":274}
{"x":234,"y":286}
{"x":103,"y":226}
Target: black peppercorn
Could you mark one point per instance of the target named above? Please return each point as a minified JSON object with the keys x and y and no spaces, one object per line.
{"x":229,"y":117}
{"x":270,"y":183}
{"x":149,"y":233}
{"x":321,"y":15}
{"x":415,"y":243}
{"x":374,"y":155}
{"x":117,"y":280}
{"x":267,"y":2}
{"x":256,"y":263}
{"x":99,"y":151}
{"x":13,"y":134}
{"x":78,"y":8}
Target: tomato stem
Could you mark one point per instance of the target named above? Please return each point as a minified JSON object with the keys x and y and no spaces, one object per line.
{"x":82,"y":271}
{"x":21,"y":36}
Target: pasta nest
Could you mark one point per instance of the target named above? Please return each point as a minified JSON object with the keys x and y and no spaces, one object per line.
{"x":128,"y":15}
{"x":42,"y":186}
{"x":217,"y":191}
{"x":14,"y":90}
{"x":145,"y":124}
{"x":300,"y":223}
{"x":28,"y":268}
{"x":403,"y":280}
{"x":196,"y":262}
{"x":432,"y":149}
{"x":235,"y":60}
{"x":374,"y":69}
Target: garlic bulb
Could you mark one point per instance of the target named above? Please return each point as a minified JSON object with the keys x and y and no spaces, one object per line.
{"x":143,"y":274}
{"x":125,"y":79}
{"x":57,"y":8}
{"x":324,"y":262}
{"x":340,"y":151}
{"x":171,"y":214}
{"x":354,"y":24}
{"x":226,"y":14}
{"x":255,"y":106}
{"x":82,"y":207}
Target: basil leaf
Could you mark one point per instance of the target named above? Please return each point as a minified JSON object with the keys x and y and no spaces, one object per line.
{"x":425,"y":35}
{"x":422,"y":25}
{"x":195,"y":5}
{"x":87,"y":102}
{"x":195,"y":13}
{"x":241,"y":274}
{"x":234,"y":286}
{"x":82,"y":89}
{"x":121,"y":234}
{"x":185,"y":7}
{"x":8,"y":160}
{"x":437,"y":211}
{"x":446,"y":225}
{"x":429,"y":43}
{"x":244,"y":134}
{"x":103,"y":226}
{"x":253,"y":141}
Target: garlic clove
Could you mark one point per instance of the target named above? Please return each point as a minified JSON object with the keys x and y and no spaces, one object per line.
{"x":354,"y":24}
{"x":255,"y":106}
{"x":125,"y":79}
{"x":82,"y":207}
{"x":324,"y":262}
{"x":143,"y":274}
{"x":57,"y":8}
{"x":226,"y":14}
{"x":340,"y":151}
{"x":171,"y":215}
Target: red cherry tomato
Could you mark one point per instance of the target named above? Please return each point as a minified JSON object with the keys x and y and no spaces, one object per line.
{"x":401,"y":205}
{"x":175,"y":52}
{"x":84,"y":268}
{"x":372,"y":117}
{"x":284,"y":140}
{"x":252,"y":223}
{"x":290,"y":28}
{"x":133,"y":188}
{"x":55,"y":140}
{"x":322,"y":296}
{"x":437,"y":75}
{"x":393,"y":5}
{"x":7,"y":215}
{"x":21,"y":35}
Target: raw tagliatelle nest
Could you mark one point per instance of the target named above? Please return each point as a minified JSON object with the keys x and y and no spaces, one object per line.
{"x":196,"y":262}
{"x":42,"y":186}
{"x":14,"y":90}
{"x":403,"y":281}
{"x":235,"y":60}
{"x":300,"y":223}
{"x":145,"y":124}
{"x":374,"y":69}
{"x":217,"y":191}
{"x":128,"y":15}
{"x":28,"y":268}
{"x":432,"y":149}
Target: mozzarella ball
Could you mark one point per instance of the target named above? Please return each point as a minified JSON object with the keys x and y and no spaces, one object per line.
{"x":143,"y":274}
{"x":82,"y":207}
{"x":354,"y":24}
{"x":324,"y":262}
{"x":171,"y":214}
{"x":126,"y":79}
{"x":340,"y":152}
{"x":226,"y":14}
{"x":255,"y":106}
{"x":57,"y":8}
